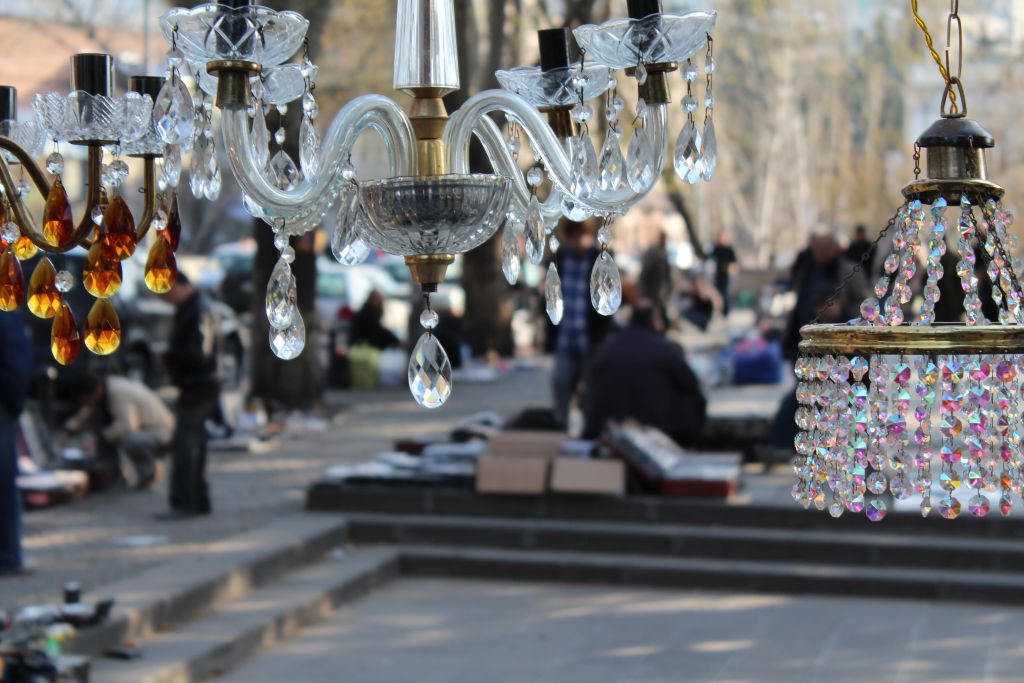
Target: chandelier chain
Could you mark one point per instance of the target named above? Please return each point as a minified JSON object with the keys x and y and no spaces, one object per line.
{"x":943,"y":63}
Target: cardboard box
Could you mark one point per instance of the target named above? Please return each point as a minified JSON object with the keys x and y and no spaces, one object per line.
{"x":580,"y":475}
{"x":526,"y":444}
{"x":503,"y":474}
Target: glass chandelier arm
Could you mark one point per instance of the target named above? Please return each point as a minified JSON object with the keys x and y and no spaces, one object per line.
{"x":303,"y":207}
{"x":149,"y":192}
{"x":472,"y":118}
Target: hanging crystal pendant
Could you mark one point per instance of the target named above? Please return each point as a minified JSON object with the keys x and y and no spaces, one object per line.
{"x":283,"y":172}
{"x":25,"y":248}
{"x":605,"y":285}
{"x":584,"y":166}
{"x":260,"y":138}
{"x":430,"y":372}
{"x":58,"y":225}
{"x":102,"y":329}
{"x":43,"y":298}
{"x":161,"y":266}
{"x":119,"y":229}
{"x":510,"y":253}
{"x":172,"y":230}
{"x":534,"y":231}
{"x":640,"y":171}
{"x":65,"y":340}
{"x":173,"y":113}
{"x":611,"y":163}
{"x":687,"y":158}
{"x":171,"y":171}
{"x":12,"y":281}
{"x":709,"y":158}
{"x":553,"y":303}
{"x":288,"y":342}
{"x":347,"y":246}
{"x":281,"y":304}
{"x":309,"y":149}
{"x":199,"y":167}
{"x":102,"y":273}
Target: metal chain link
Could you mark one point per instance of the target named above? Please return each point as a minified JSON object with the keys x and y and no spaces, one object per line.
{"x":708,"y":59}
{"x":943,"y":63}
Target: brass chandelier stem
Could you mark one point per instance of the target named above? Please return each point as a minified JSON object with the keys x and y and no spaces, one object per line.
{"x":428,"y":117}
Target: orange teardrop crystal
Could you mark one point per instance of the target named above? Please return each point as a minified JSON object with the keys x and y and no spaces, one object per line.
{"x":65,"y":340}
{"x":58,"y":226}
{"x":102,"y":273}
{"x":173,"y":229}
{"x":12,"y":281}
{"x":43,"y":297}
{"x":102,"y":329}
{"x":25,"y":248}
{"x":161,"y":267}
{"x":119,"y":229}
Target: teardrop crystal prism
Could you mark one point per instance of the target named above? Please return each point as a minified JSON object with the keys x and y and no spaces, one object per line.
{"x":605,"y":285}
{"x":283,"y":172}
{"x":102,"y":273}
{"x":612,"y":163}
{"x":553,"y":295}
{"x":347,"y":245}
{"x":260,"y":138}
{"x":58,"y":225}
{"x":309,"y":149}
{"x":281,"y":296}
{"x":173,"y":113}
{"x":161,"y":266}
{"x":687,"y":159}
{"x":118,"y":229}
{"x":510,"y":253}
{"x":640,"y":172}
{"x":584,"y":167}
{"x":25,"y":248}
{"x":102,"y":329}
{"x":213,"y":185}
{"x":288,"y":343}
{"x":12,"y":281}
{"x":573,"y":210}
{"x":43,"y":297}
{"x":65,"y":340}
{"x":172,"y":231}
{"x":534,"y":230}
{"x":430,"y":372}
{"x":199,"y":167}
{"x":171,"y":172}
{"x":710,"y":155}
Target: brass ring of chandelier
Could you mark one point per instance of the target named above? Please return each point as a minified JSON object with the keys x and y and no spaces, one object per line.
{"x":937,"y":338}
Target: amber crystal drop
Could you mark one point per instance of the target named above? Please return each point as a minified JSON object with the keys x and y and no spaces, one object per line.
{"x":173,"y":229}
{"x":25,"y":248}
{"x":102,"y":273}
{"x":161,"y":267}
{"x":102,"y":328}
{"x":43,"y":297}
{"x":65,"y":340}
{"x":58,"y":226}
{"x":12,"y":281}
{"x":119,"y":229}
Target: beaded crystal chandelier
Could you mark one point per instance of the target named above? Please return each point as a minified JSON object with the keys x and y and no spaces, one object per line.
{"x":894,"y":406}
{"x":427,"y":209}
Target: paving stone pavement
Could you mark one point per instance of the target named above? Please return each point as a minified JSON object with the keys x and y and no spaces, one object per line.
{"x":90,"y":541}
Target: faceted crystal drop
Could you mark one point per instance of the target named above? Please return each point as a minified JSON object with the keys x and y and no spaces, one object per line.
{"x":710,"y":158}
{"x":172,"y":232}
{"x":171,"y":172}
{"x":309,"y":149}
{"x":430,"y":372}
{"x":12,"y":281}
{"x":161,"y":266}
{"x":978,"y":506}
{"x":510,"y":253}
{"x":65,"y":340}
{"x":260,"y":138}
{"x":640,"y":171}
{"x":553,"y":295}
{"x":58,"y":225}
{"x":283,"y":172}
{"x":199,"y":169}
{"x":25,"y":248}
{"x":119,"y":229}
{"x":687,"y":158}
{"x":102,"y":329}
{"x":876,"y":510}
{"x":584,"y":167}
{"x":43,"y":297}
{"x":534,"y":231}
{"x":605,"y":285}
{"x":101,"y":276}
{"x":612,"y":163}
{"x":288,"y":343}
{"x":281,"y":296}
{"x":173,"y":113}
{"x":347,"y":246}
{"x":214,"y":185}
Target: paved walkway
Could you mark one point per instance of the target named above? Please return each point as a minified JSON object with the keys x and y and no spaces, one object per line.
{"x":436,"y":631}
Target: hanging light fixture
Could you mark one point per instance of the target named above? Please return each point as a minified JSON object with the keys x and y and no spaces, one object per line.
{"x":895,"y":407}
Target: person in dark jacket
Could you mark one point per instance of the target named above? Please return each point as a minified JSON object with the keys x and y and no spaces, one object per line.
{"x":367,"y":325}
{"x":15,"y":377}
{"x":638,"y":374}
{"x":582,"y":328}
{"x":192,"y":365}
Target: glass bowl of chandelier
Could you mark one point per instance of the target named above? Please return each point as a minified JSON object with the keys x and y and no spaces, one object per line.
{"x":897,"y":410}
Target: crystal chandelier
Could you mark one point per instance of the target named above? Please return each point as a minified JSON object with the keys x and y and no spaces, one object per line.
{"x":889,"y":406}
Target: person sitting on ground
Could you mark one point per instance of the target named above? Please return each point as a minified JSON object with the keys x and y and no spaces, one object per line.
{"x":638,"y":374}
{"x":129,"y":417}
{"x":367,"y":325}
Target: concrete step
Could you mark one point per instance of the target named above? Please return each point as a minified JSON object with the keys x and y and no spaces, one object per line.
{"x":680,"y":540}
{"x":333,"y":496}
{"x":180,"y":591}
{"x":701,"y":573}
{"x":226,"y":635}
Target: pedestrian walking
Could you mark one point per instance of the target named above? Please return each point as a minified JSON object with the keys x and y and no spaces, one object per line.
{"x":15,"y":377}
{"x":656,"y":281}
{"x":726,"y":265}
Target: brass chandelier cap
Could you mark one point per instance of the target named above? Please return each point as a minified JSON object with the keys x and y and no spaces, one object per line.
{"x":956,"y":132}
{"x":428,"y":270}
{"x":863,"y":340}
